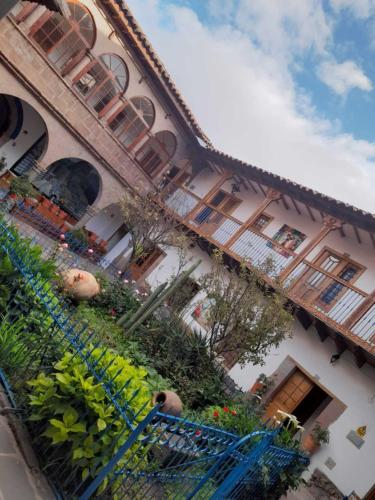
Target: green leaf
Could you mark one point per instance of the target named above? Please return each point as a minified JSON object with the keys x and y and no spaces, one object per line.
{"x":101,"y":424}
{"x":70,"y":416}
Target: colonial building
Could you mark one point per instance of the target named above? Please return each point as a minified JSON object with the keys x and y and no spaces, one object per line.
{"x":87,"y":111}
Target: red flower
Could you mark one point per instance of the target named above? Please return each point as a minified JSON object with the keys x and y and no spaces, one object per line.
{"x":215,"y":414}
{"x":198,"y":433}
{"x":233,"y":412}
{"x":226,"y":409}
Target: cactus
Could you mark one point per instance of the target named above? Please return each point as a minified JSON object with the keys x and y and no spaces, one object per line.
{"x":126,"y":322}
{"x":163,"y":296}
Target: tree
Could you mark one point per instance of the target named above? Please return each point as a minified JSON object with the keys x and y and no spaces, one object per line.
{"x":149,"y":225}
{"x":246,"y":318}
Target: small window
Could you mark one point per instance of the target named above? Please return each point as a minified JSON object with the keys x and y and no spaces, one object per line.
{"x":261,"y":222}
{"x":156,"y":152}
{"x":132,"y":122}
{"x":102,"y":82}
{"x":65,"y":41}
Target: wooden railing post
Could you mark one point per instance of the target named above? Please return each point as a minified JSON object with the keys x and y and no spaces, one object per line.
{"x":271,"y":196}
{"x":329,"y":224}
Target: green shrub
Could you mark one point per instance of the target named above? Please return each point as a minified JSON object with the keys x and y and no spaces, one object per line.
{"x":180,"y":355}
{"x":116,"y":298}
{"x":78,"y":415}
{"x":21,"y":186}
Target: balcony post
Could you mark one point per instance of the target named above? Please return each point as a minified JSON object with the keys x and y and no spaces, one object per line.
{"x":360,"y":311}
{"x":271,"y":196}
{"x":329,"y":224}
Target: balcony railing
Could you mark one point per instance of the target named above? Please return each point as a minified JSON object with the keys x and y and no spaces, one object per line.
{"x":331,"y":298}
{"x":260,"y":251}
{"x":179,"y":200}
{"x":219,"y":227}
{"x":365,"y":327}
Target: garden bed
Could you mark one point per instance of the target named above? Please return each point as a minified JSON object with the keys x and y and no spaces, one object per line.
{"x":84,"y":386}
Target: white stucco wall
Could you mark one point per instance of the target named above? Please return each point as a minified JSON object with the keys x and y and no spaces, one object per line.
{"x":355,"y":468}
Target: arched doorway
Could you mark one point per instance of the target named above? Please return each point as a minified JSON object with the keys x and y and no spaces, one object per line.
{"x":71,"y":183}
{"x":23,"y":135}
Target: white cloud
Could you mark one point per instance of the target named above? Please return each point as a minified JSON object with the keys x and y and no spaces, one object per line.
{"x":246,"y":101}
{"x":360,"y":8}
{"x":343,"y":77}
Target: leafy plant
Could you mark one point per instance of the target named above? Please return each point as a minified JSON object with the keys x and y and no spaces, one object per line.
{"x":13,"y":350}
{"x":320,"y":434}
{"x":21,"y":186}
{"x":78,"y":416}
{"x":116,"y":298}
{"x":245,"y":319}
{"x":180,"y":355}
{"x":238,"y":417}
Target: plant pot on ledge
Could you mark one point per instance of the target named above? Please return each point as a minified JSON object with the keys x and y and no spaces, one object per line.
{"x":311,"y":443}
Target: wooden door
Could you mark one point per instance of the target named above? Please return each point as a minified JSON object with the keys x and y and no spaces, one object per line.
{"x":290,"y":394}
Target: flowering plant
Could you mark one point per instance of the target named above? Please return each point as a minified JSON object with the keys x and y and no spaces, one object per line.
{"x":234,"y":417}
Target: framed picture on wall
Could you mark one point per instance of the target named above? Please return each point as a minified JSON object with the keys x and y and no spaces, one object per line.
{"x":289,"y":238}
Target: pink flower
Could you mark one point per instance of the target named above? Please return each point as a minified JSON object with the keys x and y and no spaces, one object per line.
{"x":62,"y":236}
{"x":119,"y":272}
{"x":233,"y":412}
{"x":65,"y":245}
{"x":113,"y":312}
{"x":226,"y":409}
{"x":90,"y":250}
{"x":126,"y":281}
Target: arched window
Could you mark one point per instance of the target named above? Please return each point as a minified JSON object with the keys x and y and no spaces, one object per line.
{"x":132,"y":121}
{"x":65,"y":41}
{"x":102,"y":82}
{"x":157,"y":151}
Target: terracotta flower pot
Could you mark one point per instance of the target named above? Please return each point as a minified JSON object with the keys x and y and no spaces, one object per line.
{"x":309,"y":445}
{"x":171,"y":403}
{"x":81,"y":284}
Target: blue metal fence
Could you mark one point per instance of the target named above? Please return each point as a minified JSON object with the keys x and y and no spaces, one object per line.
{"x":153,"y":455}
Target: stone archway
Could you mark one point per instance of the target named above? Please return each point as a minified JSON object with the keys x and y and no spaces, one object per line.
{"x":71,"y":183}
{"x":23,"y":135}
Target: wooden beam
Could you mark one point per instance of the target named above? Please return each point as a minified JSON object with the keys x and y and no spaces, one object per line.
{"x":360,"y":359}
{"x":310,"y":212}
{"x":304,"y":318}
{"x":321,"y":329}
{"x":286,"y":206}
{"x":341,"y":346}
{"x":261,"y":188}
{"x":357,"y":234}
{"x":295,"y":205}
{"x":252,"y":186}
{"x":372,"y":239}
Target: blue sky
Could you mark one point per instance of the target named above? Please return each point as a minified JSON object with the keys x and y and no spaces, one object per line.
{"x":286,"y":85}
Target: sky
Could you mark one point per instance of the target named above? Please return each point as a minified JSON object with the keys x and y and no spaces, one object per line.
{"x":287,"y":85}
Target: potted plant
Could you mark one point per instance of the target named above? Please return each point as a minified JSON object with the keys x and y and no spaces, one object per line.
{"x":22,"y":187}
{"x":315,"y":438}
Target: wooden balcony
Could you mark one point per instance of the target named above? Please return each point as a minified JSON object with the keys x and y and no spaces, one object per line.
{"x":327,"y":298}
{"x":333,"y":301}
